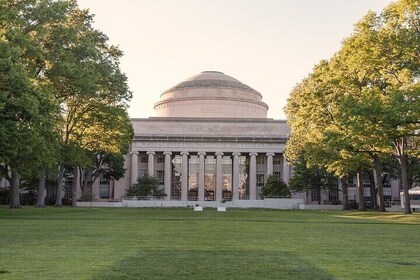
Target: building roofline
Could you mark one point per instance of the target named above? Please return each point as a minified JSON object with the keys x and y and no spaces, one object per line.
{"x":187,"y":119}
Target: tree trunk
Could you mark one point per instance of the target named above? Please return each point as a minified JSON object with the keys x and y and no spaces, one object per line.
{"x":91,"y":194}
{"x":86,"y":192}
{"x":404,"y":182}
{"x":14,"y":190}
{"x":373,"y":204}
{"x":344,"y":187}
{"x":319,"y":195}
{"x":360,"y":191}
{"x":40,"y":202}
{"x":400,"y":145}
{"x":58,"y":201}
{"x":74,"y":186}
{"x":379,"y":184}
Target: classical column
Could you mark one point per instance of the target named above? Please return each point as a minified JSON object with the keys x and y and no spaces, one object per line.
{"x":286,"y":170}
{"x":253,"y":176}
{"x":270,"y":164}
{"x":151,"y":163}
{"x":168,"y":174}
{"x":134,"y":169}
{"x":219,"y":176}
{"x":235,"y":176}
{"x":184,"y":178}
{"x":201,"y":172}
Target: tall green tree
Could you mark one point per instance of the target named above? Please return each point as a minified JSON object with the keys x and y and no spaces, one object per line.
{"x":364,"y":100}
{"x":25,"y":121}
{"x":105,"y":143}
{"x":93,"y":97}
{"x":73,"y":66}
{"x":385,"y":51}
{"x":31,"y":112}
{"x":318,"y":137}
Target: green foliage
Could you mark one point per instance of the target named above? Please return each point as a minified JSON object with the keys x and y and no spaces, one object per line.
{"x":362,"y":104}
{"x":147,"y":186}
{"x":413,"y":171}
{"x":88,"y":196}
{"x":63,"y":97}
{"x":27,"y":135}
{"x":306,"y":179}
{"x":4,"y":196}
{"x":275,"y":187}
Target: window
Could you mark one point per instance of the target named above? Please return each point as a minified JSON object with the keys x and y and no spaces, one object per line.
{"x":243,"y":177}
{"x":260,"y":179}
{"x":104,"y":191}
{"x":68,"y":185}
{"x":351,"y":181}
{"x":366,"y":181}
{"x":366,"y":185}
{"x":387,"y":184}
{"x":276,"y":160}
{"x":193,"y":178}
{"x":103,"y":187}
{"x":160,"y":158}
{"x":103,"y":182}
{"x":277,"y":174}
{"x":210,"y":178}
{"x":226,"y":160}
{"x":227,"y":178}
{"x":160,"y":175}
{"x":316,"y":195}
{"x":176,"y":177}
{"x":260,"y":183}
{"x":333,"y":193}
{"x":260,"y":160}
{"x":143,"y":159}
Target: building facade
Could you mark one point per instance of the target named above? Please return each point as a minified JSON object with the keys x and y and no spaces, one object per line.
{"x":211,"y":140}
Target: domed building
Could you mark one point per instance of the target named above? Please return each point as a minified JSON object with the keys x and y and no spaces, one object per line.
{"x":210,"y":141}
{"x":211,"y":94}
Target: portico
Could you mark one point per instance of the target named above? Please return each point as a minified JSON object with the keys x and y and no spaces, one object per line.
{"x":228,"y":185}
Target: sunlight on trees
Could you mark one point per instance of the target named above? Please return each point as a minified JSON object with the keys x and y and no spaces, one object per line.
{"x":363,"y":104}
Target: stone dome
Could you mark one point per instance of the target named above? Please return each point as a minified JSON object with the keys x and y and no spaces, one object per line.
{"x":211,"y":94}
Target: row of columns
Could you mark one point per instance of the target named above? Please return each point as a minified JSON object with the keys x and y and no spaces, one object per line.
{"x":201,"y":172}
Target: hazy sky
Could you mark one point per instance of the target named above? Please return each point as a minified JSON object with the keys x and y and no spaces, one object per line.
{"x":269,"y":45}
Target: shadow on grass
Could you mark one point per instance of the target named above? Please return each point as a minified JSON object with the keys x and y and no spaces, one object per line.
{"x":213,"y":265}
{"x":4,"y":271}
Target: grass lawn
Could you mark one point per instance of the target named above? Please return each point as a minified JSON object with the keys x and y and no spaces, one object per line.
{"x":129,"y":243}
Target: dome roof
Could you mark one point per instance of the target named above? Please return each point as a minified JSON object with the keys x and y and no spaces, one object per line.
{"x":211,"y":94}
{"x":212,"y":79}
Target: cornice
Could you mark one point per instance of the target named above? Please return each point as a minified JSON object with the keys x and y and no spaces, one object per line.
{"x":195,"y":119}
{"x":192,"y":98}
{"x":156,"y":138}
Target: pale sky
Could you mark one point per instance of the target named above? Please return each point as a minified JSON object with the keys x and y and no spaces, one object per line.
{"x":270,"y":45}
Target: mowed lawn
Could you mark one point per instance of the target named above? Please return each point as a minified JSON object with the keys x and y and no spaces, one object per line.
{"x":129,"y":243}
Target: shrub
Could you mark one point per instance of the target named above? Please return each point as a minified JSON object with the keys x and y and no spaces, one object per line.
{"x":275,"y":187}
{"x":146,"y":186}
